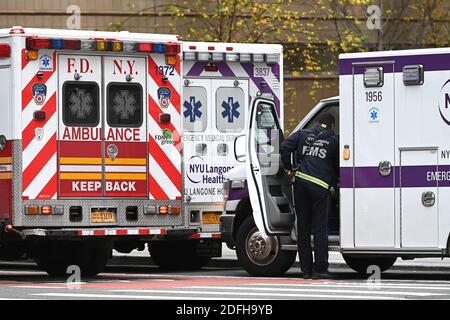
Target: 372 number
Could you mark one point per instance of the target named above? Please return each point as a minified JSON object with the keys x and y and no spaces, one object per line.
{"x":374,"y":96}
{"x":164,"y":70}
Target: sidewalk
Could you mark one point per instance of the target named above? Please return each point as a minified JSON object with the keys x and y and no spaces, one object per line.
{"x":229,"y":260}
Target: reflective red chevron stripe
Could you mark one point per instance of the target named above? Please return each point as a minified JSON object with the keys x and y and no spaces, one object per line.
{"x":178,"y":65}
{"x":29,"y":133}
{"x":50,"y":189}
{"x":155,"y":111}
{"x":165,"y":163}
{"x":24,"y":59}
{"x":175,"y":100}
{"x":155,"y":189}
{"x":41,"y":159}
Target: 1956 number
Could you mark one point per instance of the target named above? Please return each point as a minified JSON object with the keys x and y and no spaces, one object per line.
{"x":374,"y":96}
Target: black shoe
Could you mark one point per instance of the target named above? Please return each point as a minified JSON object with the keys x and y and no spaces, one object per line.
{"x":322,"y":275}
{"x":307,"y":275}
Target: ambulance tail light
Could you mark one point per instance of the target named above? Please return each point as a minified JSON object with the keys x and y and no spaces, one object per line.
{"x":146,"y":47}
{"x":38,"y":43}
{"x":32,"y":210}
{"x":171,"y":60}
{"x":172,"y":49}
{"x":130,"y":46}
{"x":159,"y":48}
{"x":88,"y":45}
{"x":5,"y":51}
{"x":117,"y":46}
{"x":211,"y":67}
{"x":232,"y":57}
{"x":217,"y":56}
{"x":272,"y":58}
{"x":46,"y":209}
{"x":72,"y":44}
{"x":175,"y":210}
{"x":163,"y":210}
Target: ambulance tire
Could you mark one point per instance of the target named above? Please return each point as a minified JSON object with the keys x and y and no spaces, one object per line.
{"x":360,"y":264}
{"x":259,"y":257}
{"x":177,"y":255}
{"x":55,"y":258}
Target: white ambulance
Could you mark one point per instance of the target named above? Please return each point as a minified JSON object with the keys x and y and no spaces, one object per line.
{"x":100,"y":145}
{"x":394,"y":128}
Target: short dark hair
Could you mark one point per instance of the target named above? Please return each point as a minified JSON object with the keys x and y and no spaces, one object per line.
{"x":326,"y":119}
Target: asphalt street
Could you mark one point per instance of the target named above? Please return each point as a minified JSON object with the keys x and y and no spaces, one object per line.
{"x":134,"y":277}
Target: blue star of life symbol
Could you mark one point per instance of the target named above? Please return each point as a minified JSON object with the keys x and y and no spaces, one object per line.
{"x":374,"y":115}
{"x":46,"y":62}
{"x":192,"y":109}
{"x":230,"y":109}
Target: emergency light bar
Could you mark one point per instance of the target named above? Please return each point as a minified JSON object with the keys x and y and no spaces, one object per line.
{"x":170,"y":49}
{"x":271,"y":58}
{"x":5,"y":51}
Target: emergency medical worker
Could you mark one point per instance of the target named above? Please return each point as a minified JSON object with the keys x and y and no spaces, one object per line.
{"x":316,"y":153}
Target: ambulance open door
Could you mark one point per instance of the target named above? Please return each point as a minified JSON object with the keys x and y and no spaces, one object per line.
{"x":269,"y":187}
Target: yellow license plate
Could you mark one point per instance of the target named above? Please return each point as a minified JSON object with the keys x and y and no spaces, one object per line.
{"x":211,"y":217}
{"x":103,"y":217}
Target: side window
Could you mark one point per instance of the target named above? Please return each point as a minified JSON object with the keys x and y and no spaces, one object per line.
{"x":124,"y":105}
{"x":333,"y":109}
{"x":230,"y":111}
{"x":195,"y":108}
{"x":80,"y":104}
{"x":268,"y":129}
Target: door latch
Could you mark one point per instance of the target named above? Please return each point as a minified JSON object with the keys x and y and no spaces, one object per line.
{"x":428,"y":199}
{"x":385,"y":168}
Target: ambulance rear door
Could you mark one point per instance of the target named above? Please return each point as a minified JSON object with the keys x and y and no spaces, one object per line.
{"x":125,"y":148}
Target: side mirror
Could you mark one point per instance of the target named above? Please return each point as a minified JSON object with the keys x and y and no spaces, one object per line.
{"x":2,"y":142}
{"x":239,"y":148}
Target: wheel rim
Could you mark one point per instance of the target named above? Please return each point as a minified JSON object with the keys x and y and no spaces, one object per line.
{"x":261,"y":251}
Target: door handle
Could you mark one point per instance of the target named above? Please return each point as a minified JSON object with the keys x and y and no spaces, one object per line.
{"x":428,"y":199}
{"x":384,"y":168}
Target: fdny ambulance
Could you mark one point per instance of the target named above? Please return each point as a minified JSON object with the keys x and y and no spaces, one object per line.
{"x":117,"y":139}
{"x":394,"y":128}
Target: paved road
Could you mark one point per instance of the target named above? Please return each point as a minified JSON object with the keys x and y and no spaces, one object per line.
{"x":145,"y":281}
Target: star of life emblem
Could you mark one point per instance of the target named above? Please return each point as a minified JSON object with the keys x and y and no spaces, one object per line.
{"x":81,"y":103}
{"x":124,"y":104}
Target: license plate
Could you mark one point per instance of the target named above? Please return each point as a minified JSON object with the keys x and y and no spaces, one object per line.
{"x":103,"y":217}
{"x":211,"y":217}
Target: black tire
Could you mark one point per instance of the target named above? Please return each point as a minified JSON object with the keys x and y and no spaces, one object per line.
{"x":267,"y":258}
{"x":54,"y":257}
{"x":360,"y":264}
{"x":177,"y":255}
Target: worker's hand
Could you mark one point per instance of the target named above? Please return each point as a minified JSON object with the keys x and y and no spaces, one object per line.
{"x":289,"y":173}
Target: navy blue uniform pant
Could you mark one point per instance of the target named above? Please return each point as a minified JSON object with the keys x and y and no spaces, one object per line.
{"x":313,"y":204}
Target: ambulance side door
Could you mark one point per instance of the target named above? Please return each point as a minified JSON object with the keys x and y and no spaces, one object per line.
{"x":269,"y":188}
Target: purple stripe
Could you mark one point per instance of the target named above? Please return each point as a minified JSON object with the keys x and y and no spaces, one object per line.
{"x":411,"y":177}
{"x":276,"y":70}
{"x":248,"y":67}
{"x":225,"y":70}
{"x":197,"y":69}
{"x":431,"y":62}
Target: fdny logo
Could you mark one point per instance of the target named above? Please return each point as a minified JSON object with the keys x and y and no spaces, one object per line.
{"x":39,"y":91}
{"x":444,"y":103}
{"x":164,"y":95}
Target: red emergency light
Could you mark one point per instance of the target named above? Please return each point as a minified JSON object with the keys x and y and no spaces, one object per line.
{"x":5,"y":51}
{"x":39,"y":43}
{"x":145,"y":47}
{"x":172,"y":49}
{"x":72,"y":44}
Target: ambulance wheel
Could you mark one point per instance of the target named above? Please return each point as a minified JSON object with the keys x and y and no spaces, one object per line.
{"x":360,"y":264}
{"x":176,"y":255}
{"x":54,"y":258}
{"x":258,"y":256}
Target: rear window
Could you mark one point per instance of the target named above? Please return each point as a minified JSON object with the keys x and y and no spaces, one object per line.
{"x":230,"y":110}
{"x":124,"y":105}
{"x":81,"y":104}
{"x":195,"y":111}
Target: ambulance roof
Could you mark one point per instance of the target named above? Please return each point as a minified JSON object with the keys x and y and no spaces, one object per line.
{"x":393,"y":53}
{"x":232,"y":47}
{"x":87,"y":34}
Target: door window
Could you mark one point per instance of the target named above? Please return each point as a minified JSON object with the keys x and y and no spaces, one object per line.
{"x":195,"y":109}
{"x":124,"y":105}
{"x":81,"y":104}
{"x":230,"y":109}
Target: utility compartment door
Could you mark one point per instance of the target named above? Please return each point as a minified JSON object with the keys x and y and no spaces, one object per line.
{"x":125,"y":148}
{"x":419,"y":176}
{"x":197,"y":151}
{"x":269,"y":188}
{"x":374,"y":155}
{"x":80,"y":126}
